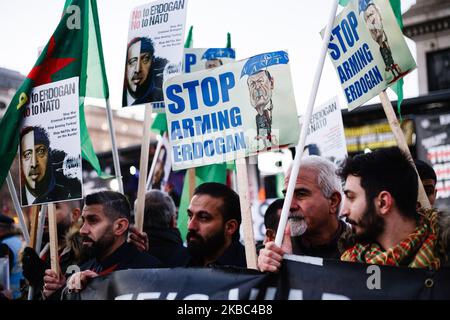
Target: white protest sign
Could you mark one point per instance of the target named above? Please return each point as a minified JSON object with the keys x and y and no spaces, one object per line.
{"x":154,"y":51}
{"x":198,"y":59}
{"x":326,"y":135}
{"x":50,"y":149}
{"x":368,"y":50}
{"x":232,"y":111}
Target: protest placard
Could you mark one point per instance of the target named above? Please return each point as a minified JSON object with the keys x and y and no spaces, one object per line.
{"x":368,"y":50}
{"x":326,"y":137}
{"x":154,"y":51}
{"x":50,"y":149}
{"x":233,"y":111}
{"x":198,"y":59}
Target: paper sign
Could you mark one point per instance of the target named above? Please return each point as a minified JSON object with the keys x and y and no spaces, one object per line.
{"x":368,"y":50}
{"x":326,"y":135}
{"x":154,"y":51}
{"x":230,"y":112}
{"x":50,"y":148}
{"x":196,"y":59}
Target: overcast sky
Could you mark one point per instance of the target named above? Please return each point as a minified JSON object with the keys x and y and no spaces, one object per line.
{"x":256,"y":26}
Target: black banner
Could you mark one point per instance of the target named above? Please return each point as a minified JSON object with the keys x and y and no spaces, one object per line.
{"x":306,"y":278}
{"x":433,"y":146}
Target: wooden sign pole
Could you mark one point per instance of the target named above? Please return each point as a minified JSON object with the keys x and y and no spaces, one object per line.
{"x":307,"y":118}
{"x":246,"y":212}
{"x":53,"y":233}
{"x":401,"y":142}
{"x":34,"y":219}
{"x":191,"y":176}
{"x":143,"y":168}
{"x":152,"y":167}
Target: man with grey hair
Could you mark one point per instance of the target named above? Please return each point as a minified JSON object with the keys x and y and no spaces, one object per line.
{"x":313,"y":222}
{"x":161,"y":237}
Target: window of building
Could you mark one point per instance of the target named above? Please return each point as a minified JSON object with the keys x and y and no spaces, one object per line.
{"x":438,"y":68}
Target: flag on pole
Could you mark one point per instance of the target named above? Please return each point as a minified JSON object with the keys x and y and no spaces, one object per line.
{"x":72,"y":50}
{"x":397,"y":87}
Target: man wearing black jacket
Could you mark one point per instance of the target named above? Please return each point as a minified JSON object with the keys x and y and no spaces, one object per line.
{"x":160,"y":224}
{"x":213,"y":227}
{"x":106,"y":216}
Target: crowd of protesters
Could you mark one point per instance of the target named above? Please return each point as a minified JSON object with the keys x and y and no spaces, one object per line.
{"x":366,"y":211}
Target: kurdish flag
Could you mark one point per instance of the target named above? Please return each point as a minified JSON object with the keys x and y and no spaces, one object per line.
{"x":74,"y":50}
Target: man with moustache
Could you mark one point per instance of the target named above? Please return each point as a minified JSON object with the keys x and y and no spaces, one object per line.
{"x":380,"y":204}
{"x":315,"y":228}
{"x":213,"y":227}
{"x":106,"y":220}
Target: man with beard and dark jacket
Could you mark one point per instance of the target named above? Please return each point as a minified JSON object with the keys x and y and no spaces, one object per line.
{"x":143,"y":73}
{"x":213,"y":227}
{"x":106,"y":220}
{"x":381,"y":205}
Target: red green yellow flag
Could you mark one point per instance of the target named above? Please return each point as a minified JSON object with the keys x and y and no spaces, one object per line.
{"x":74,"y":50}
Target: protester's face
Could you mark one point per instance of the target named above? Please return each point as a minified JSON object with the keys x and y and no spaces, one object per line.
{"x":97,"y":230}
{"x":373,"y":21}
{"x":309,"y":206}
{"x":430,"y":189}
{"x":206,"y":232}
{"x":361,"y":214}
{"x":34,"y":160}
{"x":138,"y":66}
{"x":260,"y":88}
{"x":211,"y":64}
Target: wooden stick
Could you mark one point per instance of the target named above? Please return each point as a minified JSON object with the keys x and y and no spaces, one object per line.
{"x":152,"y":167}
{"x":304,"y":131}
{"x":247,"y":223}
{"x":34,"y":226}
{"x":53,"y":233}
{"x":19,"y":212}
{"x":114,"y":150}
{"x":143,"y":168}
{"x":401,"y":142}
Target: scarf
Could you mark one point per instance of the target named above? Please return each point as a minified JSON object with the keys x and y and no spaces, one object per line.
{"x":416,"y":251}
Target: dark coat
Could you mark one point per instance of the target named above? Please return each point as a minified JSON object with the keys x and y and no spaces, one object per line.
{"x":127,"y":256}
{"x":234,"y":256}
{"x":166,"y":245}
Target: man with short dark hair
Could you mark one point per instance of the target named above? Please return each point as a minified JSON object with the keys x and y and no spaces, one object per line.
{"x":213,"y":227}
{"x":380,"y":204}
{"x":429,"y":179}
{"x":272,"y":218}
{"x":106,"y":219}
